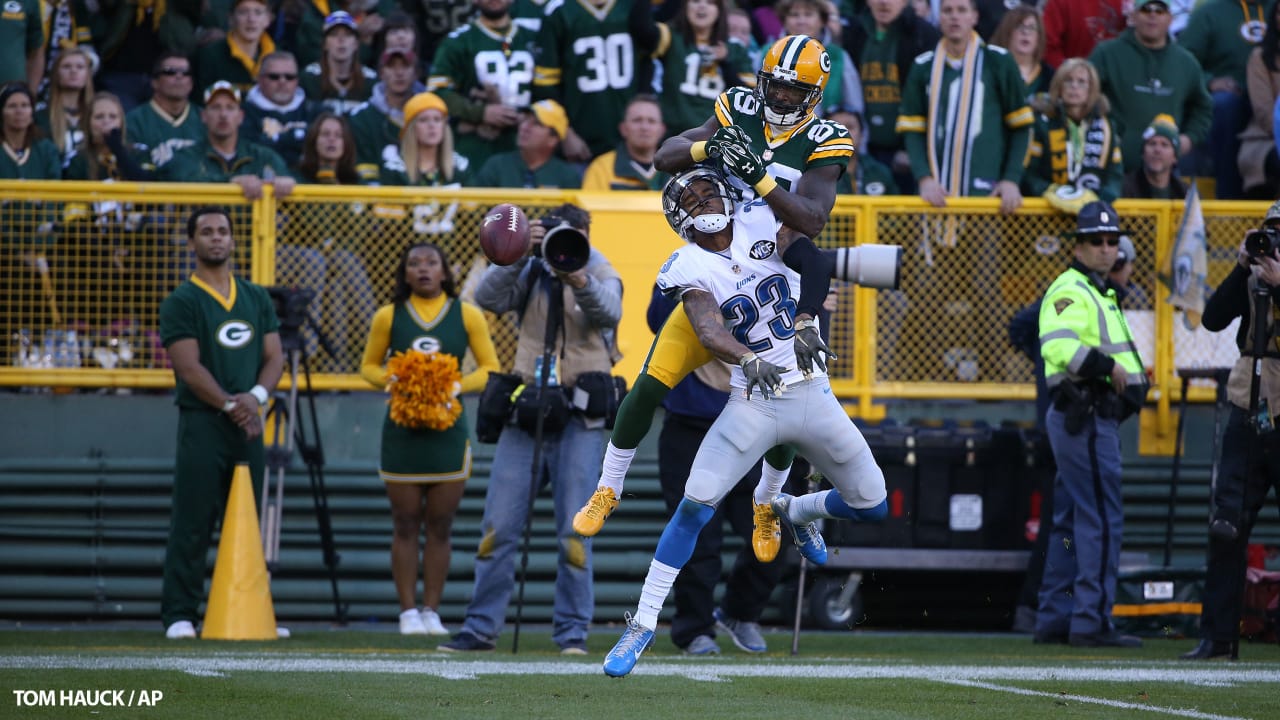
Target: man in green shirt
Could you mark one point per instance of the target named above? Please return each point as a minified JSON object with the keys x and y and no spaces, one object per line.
{"x":169,"y":122}
{"x":237,"y":58}
{"x":221,"y":156}
{"x":533,"y":163}
{"x":21,"y":43}
{"x":223,"y":338}
{"x":376,"y":124}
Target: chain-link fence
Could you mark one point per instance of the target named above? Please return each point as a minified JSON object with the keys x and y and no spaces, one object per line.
{"x":84,"y":266}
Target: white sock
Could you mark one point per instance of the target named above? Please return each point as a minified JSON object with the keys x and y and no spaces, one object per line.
{"x":771,"y":482}
{"x":614,"y":469}
{"x":807,"y":508}
{"x":656,"y":586}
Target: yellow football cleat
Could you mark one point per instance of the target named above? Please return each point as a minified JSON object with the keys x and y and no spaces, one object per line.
{"x":766,"y":535}
{"x":590,"y":519}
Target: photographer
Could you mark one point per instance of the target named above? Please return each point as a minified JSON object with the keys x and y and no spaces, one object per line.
{"x":583,"y":304}
{"x":1095,"y":380}
{"x":1248,"y":468}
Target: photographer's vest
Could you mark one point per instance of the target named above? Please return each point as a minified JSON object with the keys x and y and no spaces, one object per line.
{"x":1242,"y":372}
{"x":580,"y":346}
{"x":1065,"y":341}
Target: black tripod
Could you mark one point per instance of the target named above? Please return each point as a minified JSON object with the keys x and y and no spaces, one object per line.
{"x":555,"y":308}
{"x":289,"y":429}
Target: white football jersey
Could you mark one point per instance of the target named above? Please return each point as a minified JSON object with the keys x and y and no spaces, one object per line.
{"x":756,"y":291}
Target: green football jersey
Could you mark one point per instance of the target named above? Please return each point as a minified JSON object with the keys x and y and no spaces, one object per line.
{"x":586,"y":61}
{"x":229,"y":331}
{"x":161,"y":136}
{"x":689,"y":85}
{"x":21,"y":32}
{"x":787,"y":155}
{"x":472,"y":57}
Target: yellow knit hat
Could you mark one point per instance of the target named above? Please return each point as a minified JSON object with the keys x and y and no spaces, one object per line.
{"x":419,"y":103}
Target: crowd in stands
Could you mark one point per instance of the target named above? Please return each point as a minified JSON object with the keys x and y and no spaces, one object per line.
{"x":553,"y":94}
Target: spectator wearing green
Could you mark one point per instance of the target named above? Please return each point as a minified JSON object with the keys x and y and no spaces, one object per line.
{"x":484,"y":72}
{"x":1021,"y":32}
{"x":698,"y":61}
{"x":313,"y":26}
{"x":129,"y":35}
{"x":1157,"y":177}
{"x":277,"y":111}
{"x":1144,"y":74}
{"x":811,"y":17}
{"x":586,"y":62}
{"x":106,"y":153}
{"x":25,"y":156}
{"x":864,"y":175}
{"x":883,"y":43}
{"x":222,"y":156}
{"x":376,"y":124}
{"x":66,"y":24}
{"x":533,"y":163}
{"x":237,"y":57}
{"x":338,"y":79}
{"x":169,"y":122}
{"x":1075,"y":153}
{"x":22,"y":43}
{"x":980,"y":147}
{"x":1221,"y":34}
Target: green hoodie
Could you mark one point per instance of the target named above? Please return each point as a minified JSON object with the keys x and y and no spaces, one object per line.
{"x":1142,"y":83}
{"x":1215,"y":35}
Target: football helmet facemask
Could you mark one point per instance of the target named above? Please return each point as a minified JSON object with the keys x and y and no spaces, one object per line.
{"x":684,"y":216}
{"x":791,"y":79}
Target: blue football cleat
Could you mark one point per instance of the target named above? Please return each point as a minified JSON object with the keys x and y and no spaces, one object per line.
{"x":634,"y":641}
{"x":807,"y":537}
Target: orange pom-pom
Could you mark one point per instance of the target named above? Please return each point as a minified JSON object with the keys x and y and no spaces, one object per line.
{"x":424,"y":390}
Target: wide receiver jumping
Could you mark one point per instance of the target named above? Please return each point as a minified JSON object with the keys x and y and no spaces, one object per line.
{"x":775,"y":148}
{"x":732,"y":273}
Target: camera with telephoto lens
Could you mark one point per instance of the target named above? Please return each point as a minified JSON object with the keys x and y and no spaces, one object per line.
{"x":1262,"y":242}
{"x":291,"y":306}
{"x":564,"y":247}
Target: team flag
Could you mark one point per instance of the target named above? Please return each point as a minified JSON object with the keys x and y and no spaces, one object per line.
{"x":1188,"y":263}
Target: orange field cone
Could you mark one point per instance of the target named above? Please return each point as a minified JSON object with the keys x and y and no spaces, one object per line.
{"x":240,"y":598}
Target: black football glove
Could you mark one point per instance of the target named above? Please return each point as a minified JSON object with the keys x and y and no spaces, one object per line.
{"x":810,"y":348}
{"x":761,"y":373}
{"x":743,"y":162}
{"x":725,"y":136}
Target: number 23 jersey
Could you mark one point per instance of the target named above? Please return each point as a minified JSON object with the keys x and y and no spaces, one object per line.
{"x":756,"y":292}
{"x":787,"y":155}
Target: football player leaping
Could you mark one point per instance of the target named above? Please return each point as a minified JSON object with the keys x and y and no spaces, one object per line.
{"x":733,"y":273}
{"x":777,"y":150}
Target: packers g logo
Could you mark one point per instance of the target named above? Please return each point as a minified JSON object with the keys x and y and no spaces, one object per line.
{"x":761,"y":250}
{"x":824,"y":62}
{"x":425,"y":344}
{"x":235,"y":334}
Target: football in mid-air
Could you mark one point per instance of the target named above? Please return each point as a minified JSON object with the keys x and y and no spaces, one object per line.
{"x":504,"y":234}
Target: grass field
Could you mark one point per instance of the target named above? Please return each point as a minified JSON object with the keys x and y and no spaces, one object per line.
{"x":323,"y":673}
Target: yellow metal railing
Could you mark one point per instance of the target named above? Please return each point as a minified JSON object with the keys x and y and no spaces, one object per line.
{"x":96,"y":259}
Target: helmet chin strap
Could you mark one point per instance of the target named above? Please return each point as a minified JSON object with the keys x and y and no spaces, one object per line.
{"x":711,"y":222}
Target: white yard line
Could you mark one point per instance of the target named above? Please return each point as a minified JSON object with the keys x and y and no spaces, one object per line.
{"x":470,"y":667}
{"x":1177,"y":712}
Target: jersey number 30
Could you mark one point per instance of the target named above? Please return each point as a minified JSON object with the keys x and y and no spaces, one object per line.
{"x":743,"y":312}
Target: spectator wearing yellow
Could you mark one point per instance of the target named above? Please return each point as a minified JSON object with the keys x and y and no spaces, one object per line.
{"x":237,"y":57}
{"x":70,"y":89}
{"x":425,"y":158}
{"x":534,"y":163}
{"x":338,"y":79}
{"x":630,"y":166}
{"x":66,"y":25}
{"x":22,"y":43}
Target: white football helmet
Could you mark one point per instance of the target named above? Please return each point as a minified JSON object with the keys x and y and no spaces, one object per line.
{"x":686,"y":208}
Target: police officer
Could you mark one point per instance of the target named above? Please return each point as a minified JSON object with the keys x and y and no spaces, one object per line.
{"x":1248,"y":468}
{"x":1095,"y":380}
{"x":223,"y":339}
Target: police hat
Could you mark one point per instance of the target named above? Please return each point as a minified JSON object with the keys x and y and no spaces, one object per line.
{"x":1097,"y":217}
{"x":1273,"y":212}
